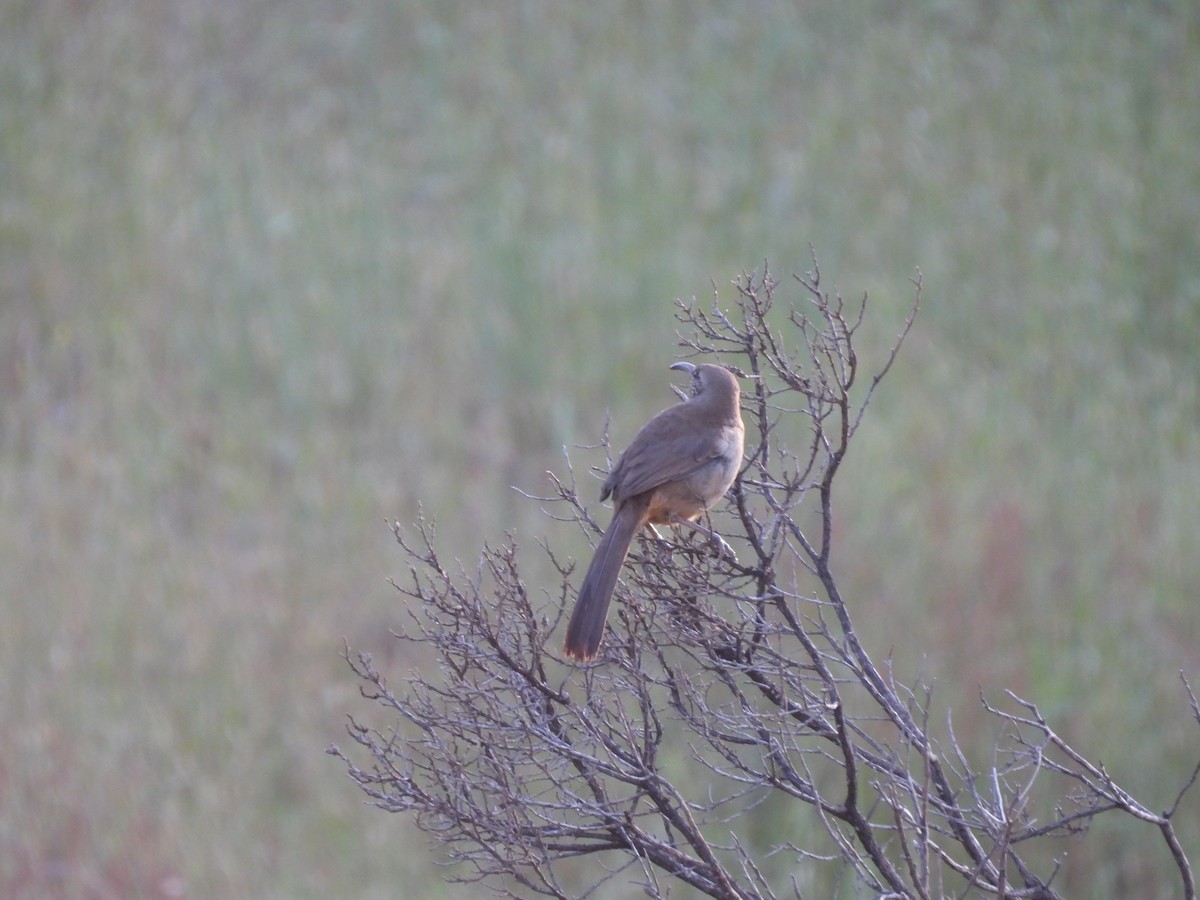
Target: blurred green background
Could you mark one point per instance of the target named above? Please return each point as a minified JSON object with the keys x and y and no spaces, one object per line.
{"x":272,"y":273}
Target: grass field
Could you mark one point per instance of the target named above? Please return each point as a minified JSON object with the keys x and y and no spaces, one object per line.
{"x":272,"y":274}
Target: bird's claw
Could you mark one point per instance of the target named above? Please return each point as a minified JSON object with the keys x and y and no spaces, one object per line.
{"x":721,"y":548}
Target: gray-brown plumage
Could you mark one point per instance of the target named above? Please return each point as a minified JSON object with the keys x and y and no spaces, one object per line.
{"x":680,"y":463}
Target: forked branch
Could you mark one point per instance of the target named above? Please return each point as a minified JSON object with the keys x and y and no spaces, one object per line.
{"x":721,"y":686}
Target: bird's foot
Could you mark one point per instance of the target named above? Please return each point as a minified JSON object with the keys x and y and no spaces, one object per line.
{"x":662,"y":547}
{"x":721,"y":549}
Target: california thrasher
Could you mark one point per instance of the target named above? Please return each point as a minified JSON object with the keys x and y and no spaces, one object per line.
{"x":680,"y":463}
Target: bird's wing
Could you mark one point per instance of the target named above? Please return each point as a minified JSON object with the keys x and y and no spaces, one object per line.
{"x":668,"y":448}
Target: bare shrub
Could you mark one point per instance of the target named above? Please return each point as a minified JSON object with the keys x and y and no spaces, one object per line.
{"x":720,"y":685}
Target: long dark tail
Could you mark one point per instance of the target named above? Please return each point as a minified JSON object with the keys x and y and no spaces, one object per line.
{"x":586,"y":628}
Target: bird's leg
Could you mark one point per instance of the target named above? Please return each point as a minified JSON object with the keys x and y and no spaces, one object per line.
{"x":720,"y":547}
{"x":664,"y":546}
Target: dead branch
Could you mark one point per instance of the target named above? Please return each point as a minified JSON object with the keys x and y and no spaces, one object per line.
{"x":722,"y":685}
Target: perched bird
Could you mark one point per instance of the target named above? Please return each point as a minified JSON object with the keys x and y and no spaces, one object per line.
{"x":681,"y":462}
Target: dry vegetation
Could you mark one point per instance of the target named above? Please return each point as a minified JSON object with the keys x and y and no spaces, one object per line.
{"x":725,"y":685}
{"x":270,"y":274}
